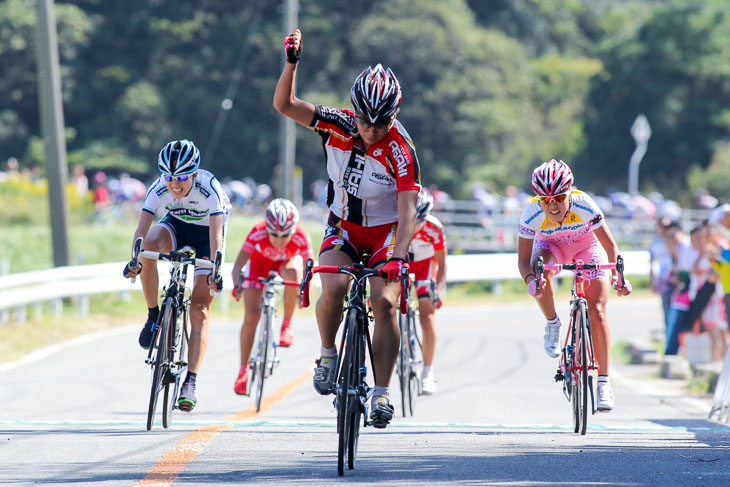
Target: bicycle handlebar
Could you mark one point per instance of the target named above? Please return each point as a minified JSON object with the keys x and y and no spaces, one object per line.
{"x":356,"y":271}
{"x":174,"y":256}
{"x":540,"y":267}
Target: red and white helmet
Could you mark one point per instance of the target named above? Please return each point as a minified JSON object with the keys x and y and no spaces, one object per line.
{"x":551,"y":178}
{"x":376,"y":94}
{"x":281,"y":216}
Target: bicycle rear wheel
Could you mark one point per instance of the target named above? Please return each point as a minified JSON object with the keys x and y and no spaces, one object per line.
{"x":262,"y":362}
{"x":159,"y":362}
{"x":344,"y":398}
{"x":583,"y":367}
{"x":403,"y":366}
{"x":171,"y":380}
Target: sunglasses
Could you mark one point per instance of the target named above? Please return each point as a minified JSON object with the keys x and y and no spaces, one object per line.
{"x":379,"y":124}
{"x":182,"y":178}
{"x":558,"y":198}
{"x":279,"y":235}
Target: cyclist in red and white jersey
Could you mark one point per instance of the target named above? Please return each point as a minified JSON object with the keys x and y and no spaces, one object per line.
{"x":279,"y":244}
{"x":563,"y":224}
{"x":374,"y":179}
{"x":428,"y":261}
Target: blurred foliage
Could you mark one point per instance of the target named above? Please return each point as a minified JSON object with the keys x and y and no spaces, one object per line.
{"x":25,"y":202}
{"x":490,"y":89}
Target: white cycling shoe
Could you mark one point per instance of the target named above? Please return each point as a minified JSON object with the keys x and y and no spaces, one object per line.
{"x":551,"y":340}
{"x":429,"y":384}
{"x":604,"y":394}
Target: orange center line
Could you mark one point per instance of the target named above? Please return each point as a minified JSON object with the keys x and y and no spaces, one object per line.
{"x":165,"y":471}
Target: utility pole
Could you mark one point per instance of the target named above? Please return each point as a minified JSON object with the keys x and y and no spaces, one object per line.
{"x":52,"y":128}
{"x":287,"y":126}
{"x":640,"y":131}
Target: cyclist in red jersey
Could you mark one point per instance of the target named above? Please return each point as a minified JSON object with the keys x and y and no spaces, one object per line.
{"x":428,"y":261}
{"x":374,"y":179}
{"x":275,"y":244}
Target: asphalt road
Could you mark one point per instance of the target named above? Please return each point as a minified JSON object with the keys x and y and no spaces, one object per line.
{"x":75,"y":415}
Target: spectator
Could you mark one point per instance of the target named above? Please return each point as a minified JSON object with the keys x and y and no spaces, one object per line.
{"x":661,"y":261}
{"x":685,"y":256}
{"x":80,"y":181}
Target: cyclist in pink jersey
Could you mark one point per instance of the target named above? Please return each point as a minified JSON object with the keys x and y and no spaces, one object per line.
{"x":428,"y":261}
{"x":562,"y":225}
{"x":374,"y":179}
{"x":278,"y":244}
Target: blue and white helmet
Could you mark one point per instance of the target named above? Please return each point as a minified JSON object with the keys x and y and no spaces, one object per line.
{"x":178,"y":157}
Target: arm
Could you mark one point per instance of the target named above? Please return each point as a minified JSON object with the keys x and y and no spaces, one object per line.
{"x":440,"y":256}
{"x":603,"y":233}
{"x":143,"y":226}
{"x":216,"y":234}
{"x":241,"y":260}
{"x":524,"y":255}
{"x":406,"y":222}
{"x":285,"y":100}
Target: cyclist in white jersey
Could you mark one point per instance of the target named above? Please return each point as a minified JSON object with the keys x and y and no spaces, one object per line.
{"x":197,"y":213}
{"x":562,"y":224}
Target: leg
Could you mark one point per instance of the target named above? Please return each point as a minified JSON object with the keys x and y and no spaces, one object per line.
{"x":158,"y":239}
{"x":252,"y":303}
{"x":329,"y":304}
{"x":386,"y":335}
{"x":597,"y":295}
{"x":199,"y":322}
{"x":428,"y":325}
{"x":291,"y":271}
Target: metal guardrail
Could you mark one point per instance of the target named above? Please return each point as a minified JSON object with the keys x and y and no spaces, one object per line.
{"x":18,"y":291}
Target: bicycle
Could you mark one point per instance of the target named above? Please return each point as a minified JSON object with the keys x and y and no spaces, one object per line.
{"x":410,"y":355}
{"x":577,"y":359}
{"x":351,"y":391}
{"x":264,"y":357}
{"x":167,"y":354}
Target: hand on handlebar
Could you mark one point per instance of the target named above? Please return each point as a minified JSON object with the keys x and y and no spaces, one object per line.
{"x":393,"y":268}
{"x":215,"y":283}
{"x":536,"y":289}
{"x":130,"y":273}
{"x":621,"y":291}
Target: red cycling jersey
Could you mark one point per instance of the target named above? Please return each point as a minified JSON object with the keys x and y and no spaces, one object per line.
{"x":364,"y":185}
{"x":426,"y":242}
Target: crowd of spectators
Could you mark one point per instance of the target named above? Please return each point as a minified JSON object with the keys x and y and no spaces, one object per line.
{"x":691,"y":272}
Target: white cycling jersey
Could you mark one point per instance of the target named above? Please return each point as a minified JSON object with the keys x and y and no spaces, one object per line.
{"x":583,"y":217}
{"x":205,"y":198}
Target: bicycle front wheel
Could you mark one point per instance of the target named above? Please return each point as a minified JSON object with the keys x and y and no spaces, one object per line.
{"x":403,"y":366}
{"x":160,"y":361}
{"x":170,"y":379}
{"x":262,"y":362}
{"x":344,"y":398}
{"x":415,"y":365}
{"x":583,"y":371}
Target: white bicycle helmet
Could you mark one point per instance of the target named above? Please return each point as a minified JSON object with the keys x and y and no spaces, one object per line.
{"x":178,"y":157}
{"x":281,"y":216}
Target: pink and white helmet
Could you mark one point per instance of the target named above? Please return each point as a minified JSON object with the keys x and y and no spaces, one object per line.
{"x":281,"y":216}
{"x":551,"y":178}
